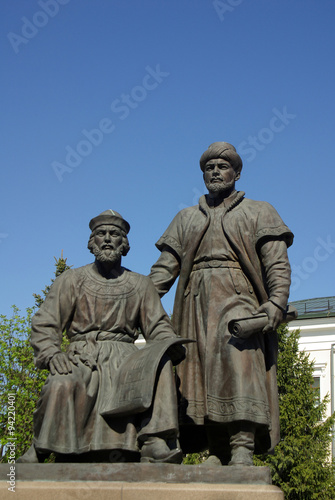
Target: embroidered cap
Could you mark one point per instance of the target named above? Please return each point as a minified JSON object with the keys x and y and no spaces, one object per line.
{"x":109,"y":217}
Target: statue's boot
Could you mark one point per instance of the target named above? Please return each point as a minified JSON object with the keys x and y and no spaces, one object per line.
{"x":242,"y":445}
{"x":211,"y":461}
{"x":31,"y":457}
{"x":156,"y":450}
{"x":218,"y":445}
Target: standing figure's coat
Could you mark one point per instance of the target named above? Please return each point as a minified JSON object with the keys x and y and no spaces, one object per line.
{"x":230,"y":259}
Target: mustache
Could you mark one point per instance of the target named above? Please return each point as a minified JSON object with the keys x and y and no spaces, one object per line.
{"x":217,"y":187}
{"x":107,"y":253}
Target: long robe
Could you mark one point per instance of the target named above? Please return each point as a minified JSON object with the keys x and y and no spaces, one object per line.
{"x":224,"y":379}
{"x":102,"y":318}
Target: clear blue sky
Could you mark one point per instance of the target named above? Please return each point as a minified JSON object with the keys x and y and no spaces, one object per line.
{"x":110,"y":104}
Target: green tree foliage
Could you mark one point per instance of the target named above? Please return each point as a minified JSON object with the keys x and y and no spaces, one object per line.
{"x":301,"y":465}
{"x":196,"y":458}
{"x":19,"y":376}
{"x":61,"y":266}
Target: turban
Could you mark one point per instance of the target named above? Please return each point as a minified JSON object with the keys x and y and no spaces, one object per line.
{"x":222,"y":150}
{"x":110,"y":217}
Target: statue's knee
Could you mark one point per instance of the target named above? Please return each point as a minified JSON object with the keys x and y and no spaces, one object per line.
{"x":61,"y":383}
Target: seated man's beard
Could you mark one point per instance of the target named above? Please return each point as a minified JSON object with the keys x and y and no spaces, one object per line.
{"x":110,"y":256}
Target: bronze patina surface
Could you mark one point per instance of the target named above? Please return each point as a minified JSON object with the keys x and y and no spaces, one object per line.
{"x":101,"y":307}
{"x":230,"y":254}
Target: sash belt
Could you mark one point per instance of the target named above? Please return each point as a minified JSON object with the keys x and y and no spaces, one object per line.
{"x":214,"y":264}
{"x":88,"y":353}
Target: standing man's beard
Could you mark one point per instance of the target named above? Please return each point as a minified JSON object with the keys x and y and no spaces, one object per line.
{"x":110,"y":256}
{"x":219,"y":187}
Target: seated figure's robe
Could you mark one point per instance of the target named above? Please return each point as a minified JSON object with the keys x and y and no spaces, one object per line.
{"x":102,"y":318}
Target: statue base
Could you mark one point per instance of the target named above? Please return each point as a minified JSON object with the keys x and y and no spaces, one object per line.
{"x":130,"y":481}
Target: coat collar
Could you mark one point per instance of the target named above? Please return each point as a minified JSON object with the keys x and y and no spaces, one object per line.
{"x":235,"y":200}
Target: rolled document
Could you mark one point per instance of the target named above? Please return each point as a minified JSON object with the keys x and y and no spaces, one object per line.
{"x":245,"y":327}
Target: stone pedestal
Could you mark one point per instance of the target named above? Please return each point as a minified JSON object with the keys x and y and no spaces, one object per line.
{"x":137,"y":481}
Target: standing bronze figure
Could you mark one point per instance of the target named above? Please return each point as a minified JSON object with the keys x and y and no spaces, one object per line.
{"x":230,"y":254}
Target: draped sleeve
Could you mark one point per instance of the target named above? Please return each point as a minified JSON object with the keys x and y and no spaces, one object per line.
{"x":52,"y":318}
{"x":154,"y":322}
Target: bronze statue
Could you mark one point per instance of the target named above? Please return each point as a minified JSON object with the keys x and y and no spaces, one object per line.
{"x":102,"y":306}
{"x":230,"y":254}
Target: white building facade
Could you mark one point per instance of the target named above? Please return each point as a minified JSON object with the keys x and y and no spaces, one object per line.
{"x":316,"y":322}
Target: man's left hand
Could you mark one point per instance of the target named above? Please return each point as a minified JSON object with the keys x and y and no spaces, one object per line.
{"x":177,"y":353}
{"x":274,"y":313}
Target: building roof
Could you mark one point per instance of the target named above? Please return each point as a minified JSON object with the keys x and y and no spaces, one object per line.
{"x":321,"y":307}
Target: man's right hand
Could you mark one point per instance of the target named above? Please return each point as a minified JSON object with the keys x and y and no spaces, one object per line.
{"x":60,"y":363}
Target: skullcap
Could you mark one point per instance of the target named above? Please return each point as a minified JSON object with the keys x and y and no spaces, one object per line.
{"x":109,"y":217}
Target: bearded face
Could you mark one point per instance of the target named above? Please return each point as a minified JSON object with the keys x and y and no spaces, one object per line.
{"x":106,"y":243}
{"x":219,"y":186}
{"x":106,"y":254}
{"x":219,"y":176}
